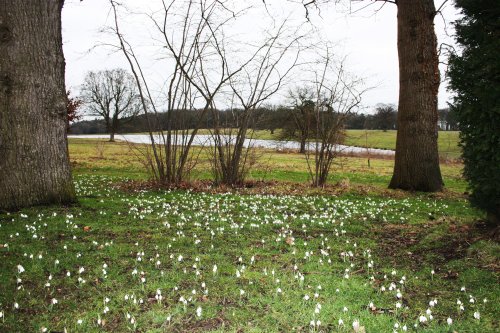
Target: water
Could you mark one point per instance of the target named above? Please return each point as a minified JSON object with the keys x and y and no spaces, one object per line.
{"x":207,"y":140}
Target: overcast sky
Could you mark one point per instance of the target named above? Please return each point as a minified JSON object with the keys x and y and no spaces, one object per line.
{"x":367,"y":38}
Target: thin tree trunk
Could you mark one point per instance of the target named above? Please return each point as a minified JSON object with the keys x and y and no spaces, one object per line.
{"x":417,"y":160}
{"x":302,"y":149}
{"x":34,"y":162}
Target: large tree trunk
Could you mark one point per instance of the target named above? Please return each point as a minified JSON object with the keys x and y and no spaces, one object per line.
{"x":34,"y":162}
{"x":417,"y":160}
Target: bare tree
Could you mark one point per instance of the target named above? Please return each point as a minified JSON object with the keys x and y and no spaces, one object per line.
{"x":112,"y":95}
{"x":417,"y":160}
{"x":198,"y":73}
{"x":337,"y":96}
{"x":385,"y":117}
{"x":302,"y":100}
{"x":34,"y":161}
{"x":260,"y":78}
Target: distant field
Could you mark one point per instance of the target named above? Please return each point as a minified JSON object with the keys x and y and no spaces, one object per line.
{"x":447,"y":140}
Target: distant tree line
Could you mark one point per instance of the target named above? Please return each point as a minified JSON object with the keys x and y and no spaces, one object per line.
{"x":265,"y":118}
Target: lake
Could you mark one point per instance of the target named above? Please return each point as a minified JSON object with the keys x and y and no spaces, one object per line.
{"x":207,"y":140}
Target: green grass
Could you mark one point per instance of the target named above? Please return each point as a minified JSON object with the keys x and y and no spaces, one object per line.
{"x":349,"y":248}
{"x":447,"y":141}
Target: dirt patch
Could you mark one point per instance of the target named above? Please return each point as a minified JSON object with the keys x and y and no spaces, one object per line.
{"x":265,"y":187}
{"x":408,"y":245}
{"x":394,"y":242}
{"x":258,"y":187}
{"x":193,"y":325}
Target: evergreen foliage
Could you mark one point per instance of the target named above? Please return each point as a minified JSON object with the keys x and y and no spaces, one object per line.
{"x":475,"y":77}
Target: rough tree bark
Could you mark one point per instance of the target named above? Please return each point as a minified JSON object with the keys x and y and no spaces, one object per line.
{"x":34,"y":162}
{"x":417,"y":160}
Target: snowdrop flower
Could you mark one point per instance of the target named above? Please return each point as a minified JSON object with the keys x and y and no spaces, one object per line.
{"x":79,"y":321}
{"x":422,"y":319}
{"x":306,"y":297}
{"x":449,"y":321}
{"x":54,"y":301}
{"x":477,"y":315}
{"x":20,"y":269}
{"x":355,"y":325}
{"x":198,"y":312}
{"x":16,"y":305}
{"x":341,"y":322}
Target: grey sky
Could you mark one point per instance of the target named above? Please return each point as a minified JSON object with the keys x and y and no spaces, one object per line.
{"x":367,"y":38}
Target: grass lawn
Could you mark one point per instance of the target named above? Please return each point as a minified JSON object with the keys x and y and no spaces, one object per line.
{"x":279,"y":257}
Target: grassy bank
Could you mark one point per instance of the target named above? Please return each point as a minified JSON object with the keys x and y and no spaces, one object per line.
{"x":122,"y":159}
{"x":278,"y":257}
